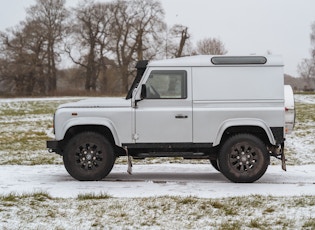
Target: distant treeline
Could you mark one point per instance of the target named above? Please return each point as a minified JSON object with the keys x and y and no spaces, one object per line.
{"x":300,"y":84}
{"x":99,"y":43}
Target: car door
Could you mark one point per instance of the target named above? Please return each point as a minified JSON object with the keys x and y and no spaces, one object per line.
{"x":165,"y":114}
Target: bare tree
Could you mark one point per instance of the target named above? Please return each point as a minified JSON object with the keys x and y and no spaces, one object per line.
{"x":313,"y":41}
{"x":306,"y":68}
{"x":184,"y":36}
{"x":149,"y":27}
{"x":177,"y":41}
{"x":30,"y":48}
{"x":213,"y":46}
{"x":91,"y":29}
{"x":121,"y":30}
{"x":51,"y":15}
{"x":24,"y":58}
{"x":136,"y":25}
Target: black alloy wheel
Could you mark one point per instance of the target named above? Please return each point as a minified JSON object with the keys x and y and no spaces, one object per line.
{"x":243,"y":158}
{"x":88,"y":156}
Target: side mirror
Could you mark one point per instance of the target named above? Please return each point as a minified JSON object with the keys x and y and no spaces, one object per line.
{"x":143,"y":91}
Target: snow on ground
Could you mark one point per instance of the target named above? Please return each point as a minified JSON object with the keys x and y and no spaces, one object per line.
{"x":199,"y":180}
{"x":304,"y":98}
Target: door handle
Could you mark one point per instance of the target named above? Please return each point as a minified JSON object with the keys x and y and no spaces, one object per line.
{"x":180,"y":116}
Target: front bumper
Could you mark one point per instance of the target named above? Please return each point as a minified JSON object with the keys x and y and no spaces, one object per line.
{"x":54,"y":146}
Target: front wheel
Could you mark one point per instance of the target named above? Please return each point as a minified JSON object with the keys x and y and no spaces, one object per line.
{"x":215,"y":165}
{"x":88,"y":156}
{"x":243,"y":158}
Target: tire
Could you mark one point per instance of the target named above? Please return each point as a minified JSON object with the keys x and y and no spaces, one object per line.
{"x":215,"y":165}
{"x":88,"y":156}
{"x":243,"y":158}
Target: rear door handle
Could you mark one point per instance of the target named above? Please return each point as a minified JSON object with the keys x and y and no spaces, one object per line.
{"x":180,"y":116}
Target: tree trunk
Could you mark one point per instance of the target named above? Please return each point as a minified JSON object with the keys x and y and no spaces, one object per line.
{"x":124,"y":74}
{"x":184,"y":37}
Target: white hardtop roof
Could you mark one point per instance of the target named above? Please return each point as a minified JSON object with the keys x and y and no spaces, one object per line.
{"x":206,"y":60}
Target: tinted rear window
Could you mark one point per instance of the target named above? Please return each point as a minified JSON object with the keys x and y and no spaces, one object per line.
{"x":238,"y":60}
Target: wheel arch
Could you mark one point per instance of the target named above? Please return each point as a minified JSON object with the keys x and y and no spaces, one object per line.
{"x":251,"y":126}
{"x":103,"y":130}
{"x":104,"y":127}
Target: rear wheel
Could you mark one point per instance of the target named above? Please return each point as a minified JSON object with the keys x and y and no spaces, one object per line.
{"x":243,"y":158}
{"x":88,"y":156}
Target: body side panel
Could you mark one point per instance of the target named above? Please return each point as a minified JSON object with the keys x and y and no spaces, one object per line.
{"x":245,"y":94}
{"x":118,"y":120}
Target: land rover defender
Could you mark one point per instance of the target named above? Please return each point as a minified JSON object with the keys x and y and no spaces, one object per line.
{"x":233,"y":110}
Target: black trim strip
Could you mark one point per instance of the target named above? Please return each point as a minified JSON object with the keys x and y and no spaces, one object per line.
{"x":168,"y":145}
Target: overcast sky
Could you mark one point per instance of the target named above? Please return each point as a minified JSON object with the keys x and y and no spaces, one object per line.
{"x":244,"y":26}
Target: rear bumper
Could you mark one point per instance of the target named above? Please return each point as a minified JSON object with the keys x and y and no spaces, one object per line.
{"x":289,"y":109}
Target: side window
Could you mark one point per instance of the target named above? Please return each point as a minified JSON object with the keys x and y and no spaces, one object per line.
{"x":167,"y":84}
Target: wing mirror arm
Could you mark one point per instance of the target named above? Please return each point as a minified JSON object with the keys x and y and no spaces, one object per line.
{"x":143,"y":95}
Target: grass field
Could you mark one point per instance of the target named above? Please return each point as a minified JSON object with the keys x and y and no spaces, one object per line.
{"x":39,"y":211}
{"x":26,"y":125}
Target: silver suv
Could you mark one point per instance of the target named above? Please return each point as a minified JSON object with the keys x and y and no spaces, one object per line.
{"x":233,"y":110}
